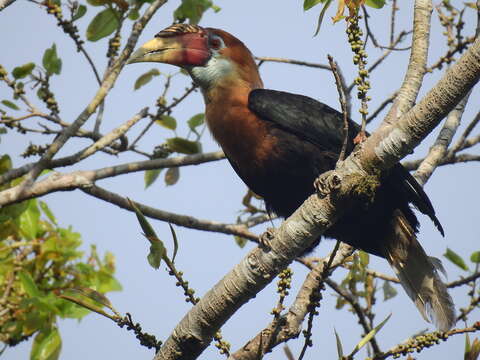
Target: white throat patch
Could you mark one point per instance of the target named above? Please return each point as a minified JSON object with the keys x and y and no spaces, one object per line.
{"x":215,"y":69}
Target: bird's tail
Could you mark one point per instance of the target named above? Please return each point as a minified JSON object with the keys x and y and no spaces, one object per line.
{"x":418,"y":274}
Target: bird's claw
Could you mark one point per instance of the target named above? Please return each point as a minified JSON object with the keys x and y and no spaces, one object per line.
{"x":327,"y":182}
{"x":266,"y":237}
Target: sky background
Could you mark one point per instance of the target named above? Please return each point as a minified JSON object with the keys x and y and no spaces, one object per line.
{"x":212,"y":191}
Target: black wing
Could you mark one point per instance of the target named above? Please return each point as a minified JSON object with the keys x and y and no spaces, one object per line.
{"x":321,"y":125}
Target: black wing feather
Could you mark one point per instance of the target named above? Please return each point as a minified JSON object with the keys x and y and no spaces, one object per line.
{"x":322,"y":125}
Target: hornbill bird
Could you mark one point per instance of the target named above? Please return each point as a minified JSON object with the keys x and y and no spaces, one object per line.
{"x":279,"y":143}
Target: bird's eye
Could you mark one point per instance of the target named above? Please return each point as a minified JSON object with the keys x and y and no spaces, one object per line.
{"x":216,"y":43}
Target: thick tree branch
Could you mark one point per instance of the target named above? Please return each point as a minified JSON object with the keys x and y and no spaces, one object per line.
{"x":5,"y":3}
{"x":379,"y":152}
{"x":417,"y":64}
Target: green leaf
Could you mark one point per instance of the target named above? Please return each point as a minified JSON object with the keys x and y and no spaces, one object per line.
{"x":475,"y":257}
{"x":183,"y":146}
{"x":195,"y":121}
{"x":193,"y":10}
{"x":339,"y":345}
{"x":364,"y":258}
{"x":51,"y":62}
{"x":308,"y":4}
{"x":84,"y":303}
{"x":376,"y":4}
{"x":369,"y":336}
{"x":150,"y":176}
{"x":167,"y":122}
{"x":388,"y":291}
{"x":144,"y":224}
{"x":456,"y":259}
{"x":81,"y":10}
{"x":321,"y":16}
{"x":145,"y":78}
{"x":46,"y":210}
{"x":240,"y":241}
{"x":103,"y":24}
{"x":93,"y":295}
{"x":99,"y":2}
{"x":157,"y":249}
{"x":172,"y":175}
{"x":29,"y":224}
{"x":46,"y":345}
{"x":157,"y":253}
{"x":28,"y":284}
{"x":133,"y":14}
{"x":22,"y":71}
{"x":175,"y":242}
{"x":10,"y":104}
{"x":5,"y":163}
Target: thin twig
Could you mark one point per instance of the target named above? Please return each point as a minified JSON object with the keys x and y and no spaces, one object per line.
{"x":292,"y":61}
{"x":357,"y":309}
{"x":343,"y":103}
{"x":177,"y":219}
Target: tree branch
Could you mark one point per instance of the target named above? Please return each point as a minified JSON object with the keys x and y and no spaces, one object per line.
{"x":417,"y":64}
{"x":79,"y":179}
{"x":5,"y":3}
{"x":438,"y":150}
{"x":177,"y":219}
{"x":289,"y":325}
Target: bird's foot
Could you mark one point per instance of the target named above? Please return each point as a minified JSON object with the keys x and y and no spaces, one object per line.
{"x":266,"y":237}
{"x":326,"y":183}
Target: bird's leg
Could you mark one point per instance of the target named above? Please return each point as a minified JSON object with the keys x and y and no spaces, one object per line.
{"x":266,"y":237}
{"x":327,"y":182}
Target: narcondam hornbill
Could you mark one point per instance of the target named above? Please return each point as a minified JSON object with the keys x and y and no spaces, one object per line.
{"x":279,"y":143}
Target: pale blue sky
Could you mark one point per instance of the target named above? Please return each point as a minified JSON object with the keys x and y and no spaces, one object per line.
{"x":212,"y":191}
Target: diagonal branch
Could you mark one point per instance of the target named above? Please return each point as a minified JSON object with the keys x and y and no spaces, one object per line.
{"x":5,"y":3}
{"x":289,"y":325}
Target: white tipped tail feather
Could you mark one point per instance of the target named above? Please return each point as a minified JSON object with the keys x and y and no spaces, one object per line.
{"x":418,"y":275}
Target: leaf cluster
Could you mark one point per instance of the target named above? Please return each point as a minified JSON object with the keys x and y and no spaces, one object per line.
{"x":39,"y":259}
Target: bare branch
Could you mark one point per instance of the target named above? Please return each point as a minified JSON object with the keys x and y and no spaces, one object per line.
{"x":357,"y":309}
{"x":80,"y":179}
{"x":177,"y":219}
{"x":461,"y":141}
{"x":291,"y":61}
{"x":417,"y":64}
{"x":457,"y":159}
{"x":343,"y":103}
{"x":5,"y":3}
{"x":439,"y":148}
{"x":289,"y":325}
